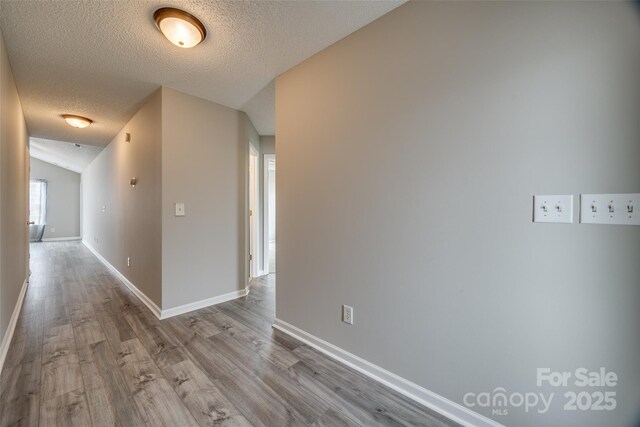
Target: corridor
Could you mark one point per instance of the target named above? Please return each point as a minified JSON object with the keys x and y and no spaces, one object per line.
{"x":87,"y":352}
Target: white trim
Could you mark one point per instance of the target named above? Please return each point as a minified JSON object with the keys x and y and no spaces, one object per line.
{"x":61,"y":239}
{"x":254,"y":205}
{"x":137,"y":292}
{"x":8,"y":335}
{"x":265,"y":212}
{"x":169,"y":312}
{"x":181,"y":309}
{"x":431,"y":400}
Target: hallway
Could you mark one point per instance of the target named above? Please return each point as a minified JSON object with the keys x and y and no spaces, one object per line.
{"x":87,"y":352}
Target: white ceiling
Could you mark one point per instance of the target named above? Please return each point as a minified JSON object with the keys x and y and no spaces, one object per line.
{"x":64,"y":154}
{"x":101,"y":59}
{"x":262,"y":109}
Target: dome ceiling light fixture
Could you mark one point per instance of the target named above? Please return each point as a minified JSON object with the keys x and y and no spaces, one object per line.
{"x":77,"y":121}
{"x":179,"y":27}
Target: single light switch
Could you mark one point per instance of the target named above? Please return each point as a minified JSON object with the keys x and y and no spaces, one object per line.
{"x":553,"y":209}
{"x":179,"y":209}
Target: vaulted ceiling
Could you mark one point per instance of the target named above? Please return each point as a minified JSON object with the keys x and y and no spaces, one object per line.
{"x":101,"y":59}
{"x":68,"y":155}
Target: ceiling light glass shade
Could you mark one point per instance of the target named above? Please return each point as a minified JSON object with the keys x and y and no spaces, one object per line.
{"x":179,"y":27}
{"x":77,"y":121}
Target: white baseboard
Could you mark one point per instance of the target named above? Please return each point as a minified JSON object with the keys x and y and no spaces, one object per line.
{"x":11,"y":328}
{"x":169,"y":312}
{"x":137,"y":292}
{"x":181,"y":309}
{"x":431,"y":400}
{"x":61,"y":239}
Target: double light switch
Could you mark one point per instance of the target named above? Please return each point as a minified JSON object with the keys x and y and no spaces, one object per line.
{"x":558,"y":208}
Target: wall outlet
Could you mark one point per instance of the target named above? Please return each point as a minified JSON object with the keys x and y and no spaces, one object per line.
{"x":53,"y":229}
{"x":128,"y":261}
{"x":347,"y":314}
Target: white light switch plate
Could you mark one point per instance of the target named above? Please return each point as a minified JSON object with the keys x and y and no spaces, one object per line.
{"x":620,"y":209}
{"x":179,"y":209}
{"x":555,"y":208}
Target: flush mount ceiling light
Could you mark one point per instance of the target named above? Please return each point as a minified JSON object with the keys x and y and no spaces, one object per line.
{"x":181,"y":28}
{"x":77,"y":121}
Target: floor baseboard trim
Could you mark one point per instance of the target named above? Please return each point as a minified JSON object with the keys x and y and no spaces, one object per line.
{"x":11,"y":328}
{"x":137,"y":292}
{"x":61,"y":239}
{"x":431,"y":400}
{"x":169,"y":312}
{"x":181,"y":309}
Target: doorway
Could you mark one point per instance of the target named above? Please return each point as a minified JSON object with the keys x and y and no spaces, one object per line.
{"x":269,"y":248}
{"x":254,"y":209}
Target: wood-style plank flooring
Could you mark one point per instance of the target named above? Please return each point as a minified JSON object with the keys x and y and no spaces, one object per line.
{"x":87,"y":352}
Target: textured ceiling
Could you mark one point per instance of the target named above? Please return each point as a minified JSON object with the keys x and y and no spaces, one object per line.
{"x":101,"y":59}
{"x":64,"y":154}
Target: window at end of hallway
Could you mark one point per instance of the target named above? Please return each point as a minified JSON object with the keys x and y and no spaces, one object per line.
{"x":38,"y":201}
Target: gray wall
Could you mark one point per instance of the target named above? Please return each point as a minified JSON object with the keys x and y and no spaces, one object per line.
{"x":183,"y":149}
{"x":63,"y":199}
{"x":408,"y":154}
{"x":131,"y":224}
{"x":204,"y":158}
{"x":267,"y":146}
{"x":14,"y":192}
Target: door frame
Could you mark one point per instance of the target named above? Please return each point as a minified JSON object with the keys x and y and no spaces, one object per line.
{"x":254,"y":213}
{"x":265,"y":210}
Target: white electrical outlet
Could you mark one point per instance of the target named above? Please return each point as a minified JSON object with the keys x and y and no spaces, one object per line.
{"x":128,"y":261}
{"x":557,"y":208}
{"x":53,"y":229}
{"x":614,"y":209}
{"x":347,"y":314}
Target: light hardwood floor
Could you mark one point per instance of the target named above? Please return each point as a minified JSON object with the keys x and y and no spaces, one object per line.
{"x":87,"y":352}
